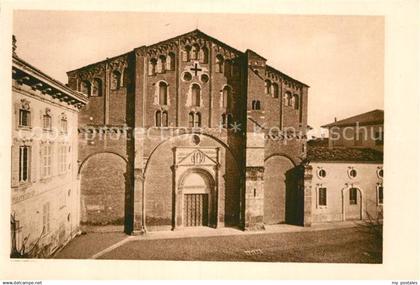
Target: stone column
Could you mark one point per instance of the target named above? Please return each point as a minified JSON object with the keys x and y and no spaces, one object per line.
{"x":254,"y":182}
{"x":307,"y":196}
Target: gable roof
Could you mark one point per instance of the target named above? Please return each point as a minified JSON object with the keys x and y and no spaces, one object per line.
{"x":369,"y":118}
{"x":196,"y":32}
{"x":322,"y":153}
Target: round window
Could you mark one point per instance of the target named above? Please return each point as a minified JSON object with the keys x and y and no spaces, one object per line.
{"x":187,"y":76}
{"x":380,"y":172}
{"x":204,"y":78}
{"x":353,"y":173}
{"x":322,"y":173}
{"x":195,"y":139}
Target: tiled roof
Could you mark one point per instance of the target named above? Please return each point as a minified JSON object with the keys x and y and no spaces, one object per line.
{"x":369,"y":118}
{"x":318,"y":153}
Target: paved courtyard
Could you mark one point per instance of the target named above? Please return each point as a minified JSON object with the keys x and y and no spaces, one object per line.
{"x":345,"y":243}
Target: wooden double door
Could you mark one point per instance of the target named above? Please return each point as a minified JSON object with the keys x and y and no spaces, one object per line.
{"x":196,"y":210}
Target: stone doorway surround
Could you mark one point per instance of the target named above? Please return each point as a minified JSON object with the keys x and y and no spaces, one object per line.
{"x":191,"y":163}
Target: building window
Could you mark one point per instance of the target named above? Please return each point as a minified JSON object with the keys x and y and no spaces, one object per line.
{"x":379,"y":138}
{"x":352,"y":173}
{"x":47,"y":120}
{"x":46,"y":158}
{"x":197,"y":120}
{"x":256,"y":105}
{"x":380,"y":172}
{"x":322,"y":173}
{"x":115,"y":80}
{"x":380,"y":194}
{"x":194,"y":119}
{"x":275,"y":90}
{"x":227,"y":97}
{"x":170,"y":61}
{"x":163,"y":93}
{"x":186,"y":53}
{"x":97,"y":88}
{"x":322,"y":196}
{"x":46,"y":218}
{"x":62,"y":159}
{"x":63,"y":123}
{"x":85,"y":87}
{"x":288,"y":99}
{"x":267,"y":85}
{"x":219,"y":63}
{"x":158,"y":119}
{"x":353,"y":196}
{"x":24,"y":162}
{"x":196,"y":95}
{"x":161,"y":64}
{"x":204,"y":55}
{"x":152,"y":66}
{"x":164,"y":119}
{"x":191,"y":119}
{"x":24,"y":118}
{"x":194,"y":52}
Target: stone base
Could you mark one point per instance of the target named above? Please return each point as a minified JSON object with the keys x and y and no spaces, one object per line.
{"x":255,"y":227}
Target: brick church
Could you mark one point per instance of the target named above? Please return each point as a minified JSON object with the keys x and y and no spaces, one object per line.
{"x":190,"y":132}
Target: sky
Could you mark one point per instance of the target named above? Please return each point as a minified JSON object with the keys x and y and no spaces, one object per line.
{"x":341,"y":58}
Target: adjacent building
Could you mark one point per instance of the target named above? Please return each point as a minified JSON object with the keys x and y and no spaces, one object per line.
{"x":45,"y":194}
{"x":343,"y":175}
{"x":210,"y":147}
{"x":361,"y":131}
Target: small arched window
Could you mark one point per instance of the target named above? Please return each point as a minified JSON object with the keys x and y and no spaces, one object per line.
{"x":224,"y":120}
{"x":196,"y":95}
{"x":161,"y":64}
{"x":158,"y":119}
{"x":267,"y":85}
{"x":288,"y":98}
{"x":204,"y":55}
{"x":191,"y":119}
{"x":85,"y":87}
{"x":296,"y":101}
{"x":115,"y":80}
{"x":197,"y":119}
{"x":186,"y":53}
{"x":164,"y":119}
{"x":227,"y":97}
{"x":97,"y":88}
{"x":170,"y":61}
{"x":163,"y":93}
{"x":152,"y":66}
{"x":256,"y":105}
{"x":219,"y":63}
{"x":194,"y":52}
{"x":275,"y":90}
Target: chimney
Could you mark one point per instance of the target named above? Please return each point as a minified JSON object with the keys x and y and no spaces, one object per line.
{"x":14,"y":44}
{"x":335,"y":119}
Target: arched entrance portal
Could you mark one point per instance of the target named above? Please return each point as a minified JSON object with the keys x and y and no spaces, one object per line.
{"x":103,"y":189}
{"x":276,"y":183}
{"x":198,"y":202}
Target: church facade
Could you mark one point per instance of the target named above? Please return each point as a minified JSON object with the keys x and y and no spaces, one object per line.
{"x":190,"y":132}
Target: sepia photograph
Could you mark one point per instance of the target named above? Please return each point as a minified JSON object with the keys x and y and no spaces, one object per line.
{"x":247,"y":138}
{"x":197,"y":142}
